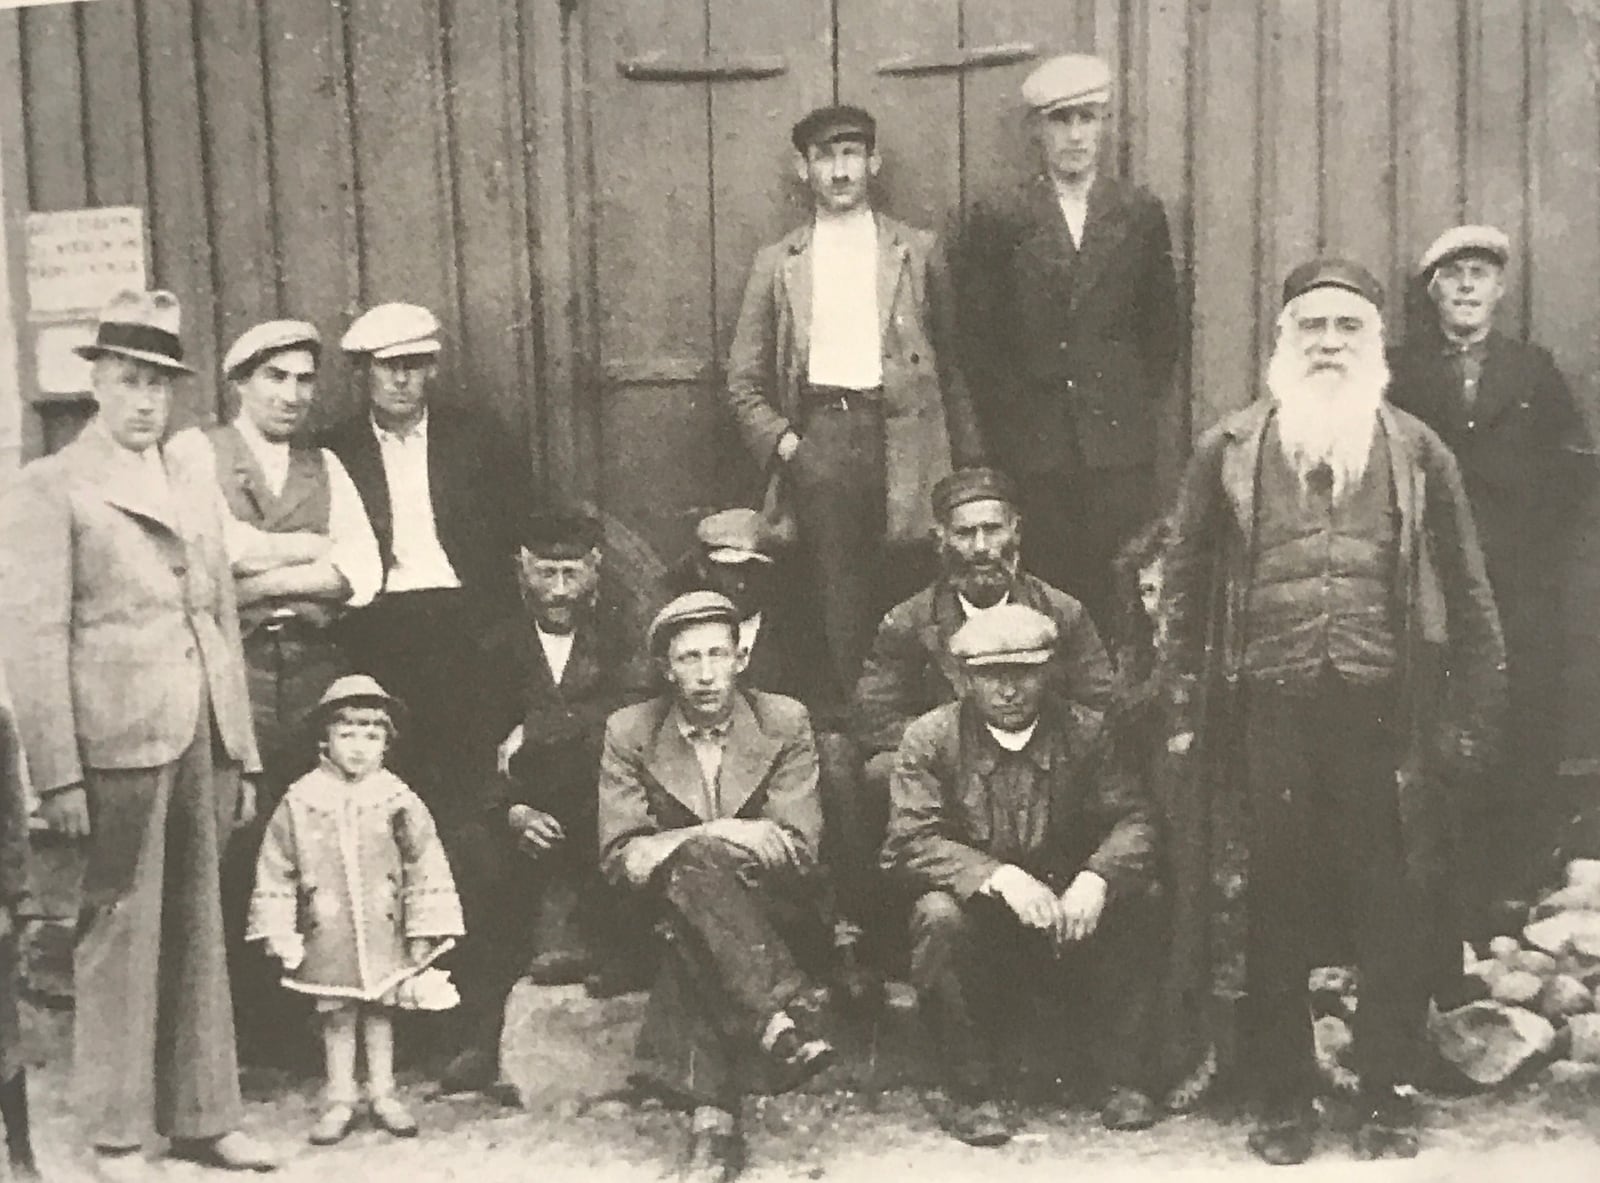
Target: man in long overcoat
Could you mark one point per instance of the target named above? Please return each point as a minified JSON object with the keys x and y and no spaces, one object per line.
{"x":118,"y":625}
{"x":1508,"y":415}
{"x":842,"y":381}
{"x":1328,"y":605}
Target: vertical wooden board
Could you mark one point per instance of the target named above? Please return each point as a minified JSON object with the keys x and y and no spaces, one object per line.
{"x":114,"y":104}
{"x":1227,"y":284}
{"x":918,"y":114}
{"x":486,"y":127}
{"x":1428,"y":152}
{"x":310,"y":161}
{"x":1292,"y":184}
{"x":1358,"y":183}
{"x":53,"y":104}
{"x":998,"y":149}
{"x":179,"y":219}
{"x":1496,"y":88}
{"x":233,"y":101}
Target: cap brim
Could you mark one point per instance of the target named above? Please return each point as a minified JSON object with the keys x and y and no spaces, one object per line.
{"x":736,"y":554}
{"x":1025,"y":657}
{"x":1089,"y":98}
{"x":160,"y":361}
{"x":406,"y":349}
{"x":1429,"y":266}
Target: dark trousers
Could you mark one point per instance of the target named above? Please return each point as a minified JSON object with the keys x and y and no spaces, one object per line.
{"x":855,"y":811}
{"x":1327,"y":879}
{"x":973,"y":964}
{"x":1073,"y":524}
{"x":727,"y":966}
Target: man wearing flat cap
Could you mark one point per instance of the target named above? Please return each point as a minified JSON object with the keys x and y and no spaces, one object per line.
{"x":443,"y":498}
{"x":709,"y":811}
{"x":551,"y":677}
{"x":842,"y":383}
{"x":1032,"y":858}
{"x":1070,"y":329}
{"x":1508,"y":415}
{"x":1333,"y":628}
{"x":119,"y":629}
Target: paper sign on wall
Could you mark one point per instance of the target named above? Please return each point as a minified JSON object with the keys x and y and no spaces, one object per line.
{"x":78,"y":259}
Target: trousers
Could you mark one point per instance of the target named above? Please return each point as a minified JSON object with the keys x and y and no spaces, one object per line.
{"x":1074,"y":524}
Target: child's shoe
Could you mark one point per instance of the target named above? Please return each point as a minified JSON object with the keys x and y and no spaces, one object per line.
{"x":334,"y":1125}
{"x":389,"y":1113}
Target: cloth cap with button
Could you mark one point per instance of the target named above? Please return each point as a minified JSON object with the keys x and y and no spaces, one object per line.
{"x":358,"y":690}
{"x":393,"y":330}
{"x":971,"y":484}
{"x":1071,"y":80}
{"x":827,"y":124}
{"x":696,"y":607}
{"x":734,"y":536}
{"x":1488,"y":241}
{"x":561,"y":534}
{"x":265,"y":339}
{"x":1011,"y":634}
{"x":142,"y":326}
{"x":1333,"y":273}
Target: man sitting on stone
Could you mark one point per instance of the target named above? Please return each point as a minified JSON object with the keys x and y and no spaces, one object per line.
{"x":709,"y":810}
{"x":1032,"y":854}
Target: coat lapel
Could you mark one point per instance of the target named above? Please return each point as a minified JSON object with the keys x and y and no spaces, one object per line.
{"x":1241,"y":460}
{"x":364,"y":463}
{"x":672,"y":765}
{"x":796,"y":273}
{"x":1497,"y":393}
{"x":124,"y":483}
{"x":1103,"y":231}
{"x":746,"y":759}
{"x":891,"y":265}
{"x":1050,"y":243}
{"x":300,"y":484}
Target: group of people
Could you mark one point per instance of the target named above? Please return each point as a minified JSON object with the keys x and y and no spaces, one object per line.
{"x":350,"y":721}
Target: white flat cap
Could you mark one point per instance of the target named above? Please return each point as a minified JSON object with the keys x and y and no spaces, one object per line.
{"x":393,"y":330}
{"x":272,"y":336}
{"x":1012,"y":634}
{"x":1466,"y":240}
{"x":1071,"y":80}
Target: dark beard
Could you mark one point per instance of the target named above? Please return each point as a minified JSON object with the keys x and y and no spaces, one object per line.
{"x":983,"y":586}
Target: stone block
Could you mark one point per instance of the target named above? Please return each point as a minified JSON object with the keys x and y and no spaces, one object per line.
{"x":1563,"y":996}
{"x":1584,"y":1036}
{"x":1489,"y":1041}
{"x":1569,"y":931}
{"x":1516,"y":987}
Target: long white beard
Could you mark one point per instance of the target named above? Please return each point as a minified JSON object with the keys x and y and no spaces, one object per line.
{"x":1328,"y":418}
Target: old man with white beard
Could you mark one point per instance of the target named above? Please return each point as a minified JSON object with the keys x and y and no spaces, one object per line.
{"x":1324,"y":587}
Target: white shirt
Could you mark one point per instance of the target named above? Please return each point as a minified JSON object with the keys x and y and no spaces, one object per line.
{"x":420,"y":562}
{"x":749,"y":630}
{"x":557,"y":652}
{"x":352,"y":547}
{"x":1074,"y":201}
{"x":707,"y":745}
{"x":845,"y":349}
{"x":970,"y":610}
{"x":1014,"y":741}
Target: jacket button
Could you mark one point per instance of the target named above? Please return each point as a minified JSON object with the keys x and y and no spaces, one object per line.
{"x":1471,"y":423}
{"x":189,"y":652}
{"x":916,"y":359}
{"x":179,"y":570}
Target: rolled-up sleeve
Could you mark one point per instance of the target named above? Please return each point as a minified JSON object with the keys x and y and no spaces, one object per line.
{"x":353,"y":548}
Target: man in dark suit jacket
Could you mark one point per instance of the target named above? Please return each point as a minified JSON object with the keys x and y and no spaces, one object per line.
{"x":1506,"y":412}
{"x":442,"y":499}
{"x":1069,"y":319}
{"x":1032,"y":857}
{"x":709,"y":809}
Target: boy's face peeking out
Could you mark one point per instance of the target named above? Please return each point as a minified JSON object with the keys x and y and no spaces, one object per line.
{"x":358,"y":736}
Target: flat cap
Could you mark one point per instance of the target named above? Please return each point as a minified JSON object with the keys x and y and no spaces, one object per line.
{"x":1466,"y":240}
{"x":357,"y":689}
{"x":272,"y":336}
{"x":1012,"y":634}
{"x":826,"y":124}
{"x":393,"y":330}
{"x":1333,"y":273}
{"x":696,"y":607}
{"x":561,"y":534}
{"x":1071,"y":80}
{"x":734,"y":536}
{"x":971,"y":484}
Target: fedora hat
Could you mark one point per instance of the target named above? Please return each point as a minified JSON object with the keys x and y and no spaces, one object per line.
{"x":142,"y":326}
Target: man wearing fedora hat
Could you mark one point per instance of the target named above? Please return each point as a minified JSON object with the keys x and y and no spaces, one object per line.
{"x":1336,"y":637}
{"x":1508,"y":415}
{"x":842,"y":382}
{"x":1070,"y":324}
{"x":118,"y":625}
{"x":1031,"y":856}
{"x":709,"y":810}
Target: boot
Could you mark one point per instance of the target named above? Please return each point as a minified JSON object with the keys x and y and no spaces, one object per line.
{"x":19,"y":1127}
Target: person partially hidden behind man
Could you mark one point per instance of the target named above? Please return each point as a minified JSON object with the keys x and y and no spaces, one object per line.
{"x":709,"y":810}
{"x":1032,"y":854}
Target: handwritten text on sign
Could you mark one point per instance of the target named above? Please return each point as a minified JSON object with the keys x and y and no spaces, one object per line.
{"x":79,"y":259}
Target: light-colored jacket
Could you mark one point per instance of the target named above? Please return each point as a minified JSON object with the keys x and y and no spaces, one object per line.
{"x":928,"y":420}
{"x":117,"y":611}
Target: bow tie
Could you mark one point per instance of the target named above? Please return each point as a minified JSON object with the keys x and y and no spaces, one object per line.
{"x":708,"y":734}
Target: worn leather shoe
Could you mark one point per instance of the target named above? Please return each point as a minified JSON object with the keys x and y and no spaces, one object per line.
{"x":1285,"y":1136}
{"x":1128,"y":1109}
{"x":234,"y":1151}
{"x":799,"y":1058}
{"x":714,"y":1156}
{"x":1390,"y":1126}
{"x":977,"y":1123}
{"x":393,"y":1117}
{"x":334,"y":1125}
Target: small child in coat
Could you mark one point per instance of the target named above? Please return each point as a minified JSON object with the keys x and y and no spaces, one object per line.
{"x":354,"y":897}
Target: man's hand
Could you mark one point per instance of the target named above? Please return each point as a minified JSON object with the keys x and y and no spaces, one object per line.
{"x":1080,"y":907}
{"x":247,"y":803}
{"x":767,"y":841}
{"x":788,"y":445}
{"x":1034,"y":903}
{"x":509,"y":747}
{"x":642,"y":855}
{"x":66,"y":811}
{"x":418,"y":948}
{"x":537,"y":831}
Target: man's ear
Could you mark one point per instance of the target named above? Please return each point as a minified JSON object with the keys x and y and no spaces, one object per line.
{"x":874,"y":163}
{"x":802,"y":170}
{"x":592,"y":559}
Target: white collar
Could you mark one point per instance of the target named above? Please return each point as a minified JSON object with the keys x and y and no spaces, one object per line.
{"x":417,"y":431}
{"x":258,"y":443}
{"x":857,"y":221}
{"x":1075,"y":190}
{"x":969,"y":609}
{"x":1013,"y":741}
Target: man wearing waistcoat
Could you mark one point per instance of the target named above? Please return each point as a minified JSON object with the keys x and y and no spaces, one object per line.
{"x":302,"y":553}
{"x":1070,"y":329}
{"x":842,"y":382}
{"x":1328,"y":606}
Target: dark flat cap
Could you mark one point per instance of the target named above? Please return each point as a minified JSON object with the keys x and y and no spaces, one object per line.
{"x":1333,"y":273}
{"x":972,"y":484}
{"x":826,"y":124}
{"x":696,"y":607}
{"x":560,"y":534}
{"x":734,"y":536}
